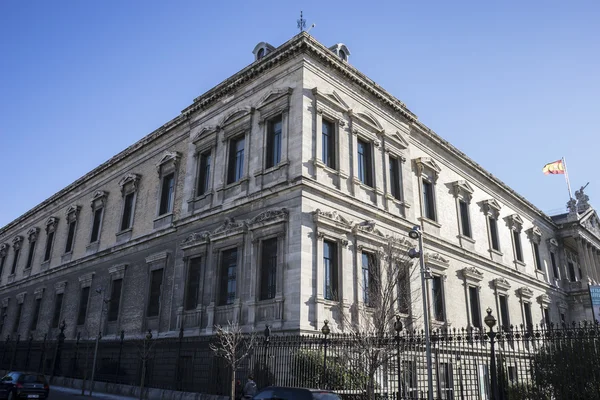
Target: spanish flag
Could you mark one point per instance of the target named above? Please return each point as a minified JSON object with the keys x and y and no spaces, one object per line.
{"x":554,"y":168}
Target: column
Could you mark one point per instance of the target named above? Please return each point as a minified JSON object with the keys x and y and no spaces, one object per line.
{"x":592,"y":265}
{"x":583,"y":262}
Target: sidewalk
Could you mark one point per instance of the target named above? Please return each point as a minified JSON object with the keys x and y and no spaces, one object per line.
{"x":61,"y":392}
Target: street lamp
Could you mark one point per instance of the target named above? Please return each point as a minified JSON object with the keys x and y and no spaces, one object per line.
{"x":398,"y":329}
{"x":416,"y":233}
{"x":325,"y":331}
{"x":490,"y":321}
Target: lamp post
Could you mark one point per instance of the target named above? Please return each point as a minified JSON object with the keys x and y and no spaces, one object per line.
{"x":325,"y":331}
{"x":398,"y":329}
{"x":490,"y":321}
{"x":416,"y":233}
{"x":267,"y":333}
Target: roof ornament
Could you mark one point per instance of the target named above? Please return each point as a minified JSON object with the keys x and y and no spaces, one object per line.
{"x":301,"y":23}
{"x":582,"y":199}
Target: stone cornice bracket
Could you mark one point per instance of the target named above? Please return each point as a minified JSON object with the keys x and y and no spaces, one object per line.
{"x":59,"y":287}
{"x":544,"y":299}
{"x":21,"y":297}
{"x":51,"y":224}
{"x":86,"y":280}
{"x":491,"y":207}
{"x":472,"y":274}
{"x":99,"y":199}
{"x":501,"y":284}
{"x":436,"y":260}
{"x":425,"y":164}
{"x":3,"y":249}
{"x":117,"y":271}
{"x":17,"y":242}
{"x":196,"y":238}
{"x":129,"y":180}
{"x":463,"y":188}
{"x":525,"y":292}
{"x":39,"y":293}
{"x":534,"y":234}
{"x":170,"y":157}
{"x":32,"y":234}
{"x":515,"y":222}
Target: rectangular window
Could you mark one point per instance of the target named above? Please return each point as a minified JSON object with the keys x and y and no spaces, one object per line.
{"x":166,"y":194}
{"x":96,"y":225}
{"x":330,"y":269}
{"x":437,"y":295}
{"x":273,"y":142}
{"x":36,"y":314}
{"x":365,"y":172}
{"x":446,"y":381}
{"x":518,"y":249}
{"x":547,"y":317}
{"x":369,"y":279}
{"x":527,"y":312}
{"x":268,"y":269}
{"x":48,"y":252}
{"x":15,"y":260}
{"x":156,"y":278}
{"x":464,"y":218}
{"x":475,"y":308}
{"x":328,"y":143}
{"x":127,"y":218}
{"x":115,"y":300}
{"x":504,"y":317}
{"x":403,"y":290}
{"x":203,"y":174}
{"x":193,"y":283}
{"x":30,"y":255}
{"x":395,"y":178}
{"x":228,"y":276}
{"x":57,"y":310}
{"x":563,"y":320}
{"x":571,"y":272}
{"x":235,"y":169}
{"x":2,"y":260}
{"x":18,"y":318}
{"x":70,"y":237}
{"x":536,"y":253}
{"x":554,"y":266}
{"x":494,"y":233}
{"x":428,"y":200}
{"x":83,"y":303}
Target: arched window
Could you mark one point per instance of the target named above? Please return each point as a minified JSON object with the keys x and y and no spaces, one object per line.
{"x":260,"y":54}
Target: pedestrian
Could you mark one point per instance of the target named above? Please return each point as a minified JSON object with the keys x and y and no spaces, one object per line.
{"x":249,"y":388}
{"x":238,"y":389}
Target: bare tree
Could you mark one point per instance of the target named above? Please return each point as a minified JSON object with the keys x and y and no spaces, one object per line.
{"x":233,"y":346}
{"x":388,"y":286}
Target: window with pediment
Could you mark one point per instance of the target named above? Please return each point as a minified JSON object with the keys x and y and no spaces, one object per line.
{"x":502,"y":286}
{"x":167,"y":168}
{"x":157,"y":264}
{"x":59,"y":293}
{"x":195,"y":253}
{"x":85,"y":283}
{"x":491,"y":209}
{"x":117,"y":277}
{"x":17,"y":243}
{"x":366,"y":133}
{"x":32,"y":236}
{"x":330,"y":109}
{"x":427,"y":173}
{"x":273,"y":110}
{"x":72,"y":215}
{"x":472,"y":283}
{"x":37,"y":306}
{"x":463,"y":193}
{"x":98,"y":203}
{"x":3,"y":254}
{"x":515,"y":224}
{"x":535,"y":237}
{"x":51,"y":225}
{"x":205,"y":150}
{"x":438,"y":266}
{"x":129,"y":187}
{"x":236,"y":127}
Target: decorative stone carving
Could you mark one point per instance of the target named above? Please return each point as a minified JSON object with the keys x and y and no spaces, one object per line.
{"x":51,"y":224}
{"x":544,"y":299}
{"x":86,"y":280}
{"x":501,"y":284}
{"x":5,"y":302}
{"x":552,"y":242}
{"x":463,"y":188}
{"x":60,"y":287}
{"x":3,"y":249}
{"x":170,"y":157}
{"x":515,"y":222}
{"x":73,"y":211}
{"x":17,"y":242}
{"x":437,"y":260}
{"x":472,"y":274}
{"x":129,"y":181}
{"x":525,"y":292}
{"x":332,"y":215}
{"x":269,"y":215}
{"x":425,"y":164}
{"x":117,"y":271}
{"x":491,"y":207}
{"x":196,"y":237}
{"x":39,"y":293}
{"x":572,"y":207}
{"x":21,"y":297}
{"x":32,"y":234}
{"x":158,"y":257}
{"x":582,"y":199}
{"x":99,"y":199}
{"x":333,"y":100}
{"x":229,"y":225}
{"x":592,"y":224}
{"x":204,"y":132}
{"x":368,"y":227}
{"x":534,"y":234}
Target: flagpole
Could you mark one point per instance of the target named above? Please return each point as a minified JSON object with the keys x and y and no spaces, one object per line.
{"x":567,"y":178}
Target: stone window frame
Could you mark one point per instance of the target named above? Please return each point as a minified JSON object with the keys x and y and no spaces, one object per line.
{"x":168,"y":164}
{"x":156,"y":262}
{"x":38,"y":294}
{"x":525,"y":295}
{"x":438,"y":266}
{"x":59,"y":288}
{"x":275,"y":103}
{"x":553,"y":249}
{"x":98,"y":202}
{"x":71,"y":216}
{"x":4,"y":247}
{"x":51,"y":227}
{"x":84,"y":281}
{"x":491,"y":210}
{"x":365,"y":128}
{"x":534,"y":234}
{"x":501,"y":288}
{"x":205,"y":141}
{"x":235,"y":125}
{"x":515,"y":224}
{"x":545,"y":301}
{"x":17,"y":245}
{"x":331,"y":107}
{"x":115,"y":272}
{"x":472,"y":278}
{"x":428,"y":170}
{"x":129,"y":184}
{"x":463,"y":191}
{"x":196,"y":245}
{"x":400,"y":159}
{"x":19,"y":315}
{"x":32,"y":237}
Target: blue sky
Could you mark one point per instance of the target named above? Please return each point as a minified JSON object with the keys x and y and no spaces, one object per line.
{"x":512,"y":84}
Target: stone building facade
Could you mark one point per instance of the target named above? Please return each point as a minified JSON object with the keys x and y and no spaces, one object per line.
{"x":260,"y":199}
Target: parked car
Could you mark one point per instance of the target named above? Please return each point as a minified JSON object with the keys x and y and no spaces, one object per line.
{"x":23,"y":385}
{"x":289,"y":393}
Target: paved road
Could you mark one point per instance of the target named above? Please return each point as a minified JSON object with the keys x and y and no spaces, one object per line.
{"x":60,"y":393}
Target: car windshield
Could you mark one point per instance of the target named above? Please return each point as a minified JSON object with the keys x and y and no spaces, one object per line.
{"x":32,"y":379}
{"x":325,"y":396}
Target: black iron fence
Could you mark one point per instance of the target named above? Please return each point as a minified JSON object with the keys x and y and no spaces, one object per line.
{"x":541,"y":363}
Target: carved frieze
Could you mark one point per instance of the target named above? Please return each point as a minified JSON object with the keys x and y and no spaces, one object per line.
{"x":196,"y":238}
{"x":437,"y":260}
{"x":277,"y":215}
{"x":230,"y":226}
